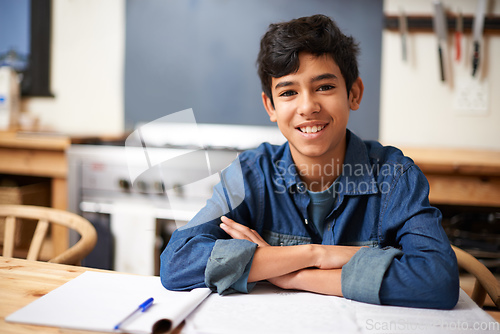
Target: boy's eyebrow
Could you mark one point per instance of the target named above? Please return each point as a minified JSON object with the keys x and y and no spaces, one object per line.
{"x":323,"y":77}
{"x":283,"y":84}
{"x":317,"y":78}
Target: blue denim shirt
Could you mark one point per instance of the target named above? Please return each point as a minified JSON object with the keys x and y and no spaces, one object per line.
{"x":381,"y":201}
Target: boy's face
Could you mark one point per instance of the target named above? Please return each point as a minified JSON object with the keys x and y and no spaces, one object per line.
{"x":311,"y":107}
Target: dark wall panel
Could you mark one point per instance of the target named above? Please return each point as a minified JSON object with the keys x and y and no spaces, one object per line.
{"x":201,"y":54}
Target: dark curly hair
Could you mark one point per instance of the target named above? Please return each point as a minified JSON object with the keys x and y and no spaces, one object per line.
{"x":318,"y":34}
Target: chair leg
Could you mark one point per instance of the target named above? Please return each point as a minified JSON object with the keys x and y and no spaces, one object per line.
{"x":37,"y":240}
{"x":478,"y":294}
{"x":9,"y":236}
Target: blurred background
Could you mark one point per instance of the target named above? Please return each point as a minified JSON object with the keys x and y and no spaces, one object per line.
{"x":115,"y":63}
{"x":78,"y":76}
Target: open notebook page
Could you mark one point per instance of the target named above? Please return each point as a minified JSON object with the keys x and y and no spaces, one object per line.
{"x":268,"y":309}
{"x":98,"y":301}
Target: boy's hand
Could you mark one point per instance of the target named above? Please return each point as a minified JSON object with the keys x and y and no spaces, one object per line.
{"x":326,"y":282}
{"x":334,"y":257}
{"x":285,"y":281}
{"x":238,"y":231}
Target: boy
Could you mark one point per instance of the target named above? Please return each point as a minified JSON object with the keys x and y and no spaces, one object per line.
{"x":325,"y":212}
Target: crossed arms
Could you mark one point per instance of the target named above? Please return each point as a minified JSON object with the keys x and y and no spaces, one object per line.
{"x":315,"y":268}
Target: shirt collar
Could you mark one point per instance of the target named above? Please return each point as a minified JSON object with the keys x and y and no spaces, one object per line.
{"x":289,"y":172}
{"x":357,"y":175}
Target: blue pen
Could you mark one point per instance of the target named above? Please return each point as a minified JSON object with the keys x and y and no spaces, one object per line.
{"x":143,"y":307}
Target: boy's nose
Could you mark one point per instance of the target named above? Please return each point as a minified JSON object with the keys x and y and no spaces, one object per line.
{"x":308,"y":105}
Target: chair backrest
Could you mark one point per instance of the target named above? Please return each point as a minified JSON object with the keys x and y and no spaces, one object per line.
{"x":15,"y":213}
{"x":485,"y":280}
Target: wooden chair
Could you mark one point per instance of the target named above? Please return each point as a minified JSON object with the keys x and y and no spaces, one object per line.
{"x":46,"y":216}
{"x":485,"y":281}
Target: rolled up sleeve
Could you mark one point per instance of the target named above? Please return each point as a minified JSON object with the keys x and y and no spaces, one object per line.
{"x":362,"y":275}
{"x":229,"y":265}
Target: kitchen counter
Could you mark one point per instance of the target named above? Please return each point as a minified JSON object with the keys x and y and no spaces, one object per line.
{"x":460,"y":177}
{"x":40,"y":155}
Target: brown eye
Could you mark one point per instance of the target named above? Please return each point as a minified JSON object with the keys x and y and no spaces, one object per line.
{"x":288,"y":93}
{"x":325,"y":87}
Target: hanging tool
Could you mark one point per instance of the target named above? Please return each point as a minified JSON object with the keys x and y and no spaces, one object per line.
{"x":477,"y":33}
{"x":403,"y":29}
{"x":459,"y":30}
{"x":440,"y":28}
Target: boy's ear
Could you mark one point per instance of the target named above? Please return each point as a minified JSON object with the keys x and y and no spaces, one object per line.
{"x":269,"y":107}
{"x":356,"y":94}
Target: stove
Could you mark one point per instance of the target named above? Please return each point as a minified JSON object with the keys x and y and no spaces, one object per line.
{"x":137,"y":191}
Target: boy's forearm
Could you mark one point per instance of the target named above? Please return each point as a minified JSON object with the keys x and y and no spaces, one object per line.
{"x":326,"y":282}
{"x":269,"y":262}
{"x":275,"y":261}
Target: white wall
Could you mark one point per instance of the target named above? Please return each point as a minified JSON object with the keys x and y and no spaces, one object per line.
{"x":417,"y":109}
{"x":86,"y":69}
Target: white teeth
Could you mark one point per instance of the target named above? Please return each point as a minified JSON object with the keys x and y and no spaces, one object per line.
{"x":313,"y":129}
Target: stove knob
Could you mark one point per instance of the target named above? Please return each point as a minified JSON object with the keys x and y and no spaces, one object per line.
{"x":124,"y":184}
{"x":178,"y":190}
{"x":159,"y":187}
{"x":142,"y":186}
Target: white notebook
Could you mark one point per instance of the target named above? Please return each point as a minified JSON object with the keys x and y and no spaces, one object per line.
{"x":98,"y":301}
{"x":270,"y":310}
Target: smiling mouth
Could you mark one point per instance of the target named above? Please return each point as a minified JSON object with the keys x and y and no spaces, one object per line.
{"x":312,"y":129}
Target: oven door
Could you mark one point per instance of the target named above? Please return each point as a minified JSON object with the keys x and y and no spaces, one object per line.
{"x":131,"y":235}
{"x":102,"y":255}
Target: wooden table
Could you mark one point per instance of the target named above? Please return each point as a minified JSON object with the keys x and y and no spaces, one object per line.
{"x":44,"y":156}
{"x":460,"y":177}
{"x":23,"y":281}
